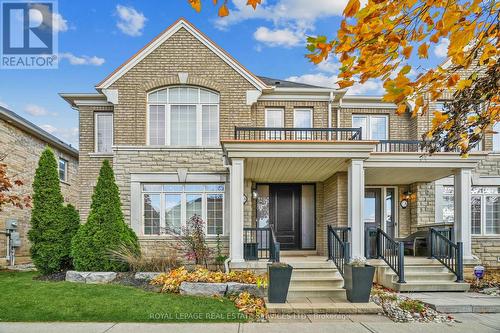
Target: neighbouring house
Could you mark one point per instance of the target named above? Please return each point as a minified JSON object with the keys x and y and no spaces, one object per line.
{"x":21,"y":145}
{"x":189,"y":130}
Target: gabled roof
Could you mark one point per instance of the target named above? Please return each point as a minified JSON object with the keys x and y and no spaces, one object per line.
{"x":27,"y":126}
{"x":287,"y":84}
{"x":166,"y":34}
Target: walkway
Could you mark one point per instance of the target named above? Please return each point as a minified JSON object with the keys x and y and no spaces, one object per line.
{"x":339,"y":324}
{"x":454,"y":302}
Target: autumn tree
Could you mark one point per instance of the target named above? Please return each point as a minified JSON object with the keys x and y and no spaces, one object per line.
{"x":7,"y":186}
{"x":385,"y":38}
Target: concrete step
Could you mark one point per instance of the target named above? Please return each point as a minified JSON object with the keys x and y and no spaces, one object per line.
{"x":298,"y":292}
{"x":316,"y":282}
{"x":316,"y":272}
{"x":311,"y":264}
{"x":298,"y":253}
{"x":426,"y":269}
{"x":430,"y":286}
{"x":425,"y":277}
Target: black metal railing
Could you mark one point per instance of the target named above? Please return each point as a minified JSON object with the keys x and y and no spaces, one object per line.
{"x":296,"y":134}
{"x":399,"y":146}
{"x":448,"y":253}
{"x":338,"y":246}
{"x":260,"y":243}
{"x":275,"y":247}
{"x":392,"y":253}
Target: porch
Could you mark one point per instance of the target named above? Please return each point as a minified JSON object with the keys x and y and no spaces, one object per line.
{"x":340,"y":171}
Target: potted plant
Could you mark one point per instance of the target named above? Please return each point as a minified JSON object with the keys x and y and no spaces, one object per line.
{"x":279,"y":281}
{"x":358,"y":280}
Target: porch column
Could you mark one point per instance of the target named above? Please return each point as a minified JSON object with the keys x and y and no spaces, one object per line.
{"x":355,"y":201}
{"x":236,"y":203}
{"x":462,"y":194}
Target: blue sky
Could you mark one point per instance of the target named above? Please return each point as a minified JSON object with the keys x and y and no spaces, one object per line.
{"x":96,"y":36}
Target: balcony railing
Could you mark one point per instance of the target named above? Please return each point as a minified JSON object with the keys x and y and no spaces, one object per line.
{"x":399,"y":146}
{"x":296,"y":134}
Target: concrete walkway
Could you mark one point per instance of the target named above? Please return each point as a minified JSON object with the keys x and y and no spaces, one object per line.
{"x":339,"y":324}
{"x":454,"y":302}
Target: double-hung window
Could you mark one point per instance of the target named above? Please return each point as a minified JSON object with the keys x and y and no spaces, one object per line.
{"x":167,"y":207}
{"x":63,"y":170}
{"x":103,"y":132}
{"x":303,"y":118}
{"x":373,"y":127}
{"x":275,"y":118}
{"x":183,"y":116}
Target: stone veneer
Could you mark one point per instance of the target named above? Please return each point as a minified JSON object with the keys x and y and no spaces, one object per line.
{"x":22,"y":151}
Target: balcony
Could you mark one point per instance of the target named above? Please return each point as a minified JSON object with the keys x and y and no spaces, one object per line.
{"x":296,"y":134}
{"x":400,"y":146}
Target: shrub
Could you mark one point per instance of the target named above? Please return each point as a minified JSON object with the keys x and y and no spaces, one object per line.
{"x":105,"y":229}
{"x":172,"y":280}
{"x":52,"y":224}
{"x":138,"y":262}
{"x":412,"y":305}
{"x":192,"y":241}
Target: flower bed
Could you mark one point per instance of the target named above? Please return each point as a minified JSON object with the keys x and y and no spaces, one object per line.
{"x":403,"y":309}
{"x":489,"y":284}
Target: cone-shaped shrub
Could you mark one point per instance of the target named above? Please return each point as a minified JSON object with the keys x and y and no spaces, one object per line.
{"x":105,"y":229}
{"x":52,"y":225}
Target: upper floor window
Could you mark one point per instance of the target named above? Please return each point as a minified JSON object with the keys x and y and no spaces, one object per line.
{"x":373,"y":127}
{"x":63,"y":169}
{"x":103,"y":132}
{"x":496,"y":138}
{"x":275,"y":118}
{"x":183,"y":116}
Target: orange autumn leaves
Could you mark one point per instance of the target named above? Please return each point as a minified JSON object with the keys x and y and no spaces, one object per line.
{"x":223,"y":9}
{"x":377,"y":40}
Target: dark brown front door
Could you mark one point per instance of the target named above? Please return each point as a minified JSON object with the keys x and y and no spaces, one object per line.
{"x":285,"y":214}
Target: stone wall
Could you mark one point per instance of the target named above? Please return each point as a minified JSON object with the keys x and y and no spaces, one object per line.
{"x":487,"y":249}
{"x":22,"y":151}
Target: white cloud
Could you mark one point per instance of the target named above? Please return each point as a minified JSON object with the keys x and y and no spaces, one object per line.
{"x":318,"y":79}
{"x":278,"y":37}
{"x":441,"y":49}
{"x":69,"y":135}
{"x":131,"y":22}
{"x":35,"y":110}
{"x":370,"y":87}
{"x":59,"y":23}
{"x":82,"y":60}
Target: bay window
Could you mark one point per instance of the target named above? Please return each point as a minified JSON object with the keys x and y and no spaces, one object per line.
{"x":183,"y":116}
{"x":485,"y":208}
{"x":167,"y":207}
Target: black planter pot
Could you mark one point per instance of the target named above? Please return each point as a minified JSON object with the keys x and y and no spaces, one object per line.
{"x":279,"y":281}
{"x":358,"y":283}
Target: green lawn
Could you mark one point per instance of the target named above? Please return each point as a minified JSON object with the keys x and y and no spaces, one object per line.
{"x":25,"y":299}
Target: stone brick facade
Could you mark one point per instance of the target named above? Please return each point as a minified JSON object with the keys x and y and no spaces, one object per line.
{"x":22,"y":151}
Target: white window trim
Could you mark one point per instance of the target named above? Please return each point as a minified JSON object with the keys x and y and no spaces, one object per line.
{"x":438,"y":204}
{"x":496,"y":152}
{"x":281,"y":110}
{"x":183,"y":208}
{"x":199,"y":115}
{"x":310,"y":110}
{"x":96,"y":114}
{"x":368,"y":124}
{"x":65,"y":180}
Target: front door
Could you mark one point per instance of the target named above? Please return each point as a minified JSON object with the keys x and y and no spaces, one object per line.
{"x":372,"y":219}
{"x":285,"y":214}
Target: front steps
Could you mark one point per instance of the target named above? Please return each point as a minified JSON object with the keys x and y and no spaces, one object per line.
{"x":421,"y":274}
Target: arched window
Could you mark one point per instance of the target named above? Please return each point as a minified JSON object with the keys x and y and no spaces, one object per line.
{"x":183,"y":116}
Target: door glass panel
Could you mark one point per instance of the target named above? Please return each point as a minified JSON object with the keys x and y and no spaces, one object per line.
{"x":274,"y":118}
{"x":307,"y":217}
{"x":389,"y":212}
{"x":371,"y":219}
{"x":378,"y":128}
{"x":361,"y":121}
{"x":262,"y":206}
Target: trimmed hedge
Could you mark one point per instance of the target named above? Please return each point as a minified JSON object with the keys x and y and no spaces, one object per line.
{"x":52,"y":224}
{"x":105,"y":229}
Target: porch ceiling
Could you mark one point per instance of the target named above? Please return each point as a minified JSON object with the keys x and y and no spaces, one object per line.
{"x":293,"y":170}
{"x":408,"y":168}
